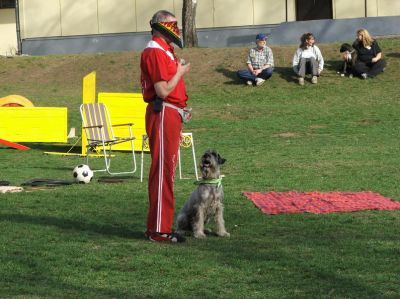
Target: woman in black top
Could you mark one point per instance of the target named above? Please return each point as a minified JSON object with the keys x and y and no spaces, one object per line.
{"x":369,"y":61}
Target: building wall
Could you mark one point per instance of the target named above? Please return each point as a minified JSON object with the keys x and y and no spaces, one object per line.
{"x":8,"y":32}
{"x":75,"y":17}
{"x":119,"y":18}
{"x":72,"y":17}
{"x":336,"y":30}
{"x":343,"y":9}
{"x":377,"y":8}
{"x":39,"y":19}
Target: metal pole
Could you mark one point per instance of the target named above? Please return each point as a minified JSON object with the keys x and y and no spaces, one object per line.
{"x":18,"y":25}
{"x":286,"y":10}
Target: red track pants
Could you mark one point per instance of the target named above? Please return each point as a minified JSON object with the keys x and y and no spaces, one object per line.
{"x":163,"y":129}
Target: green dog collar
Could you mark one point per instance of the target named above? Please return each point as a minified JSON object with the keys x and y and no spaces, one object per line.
{"x":217,"y":182}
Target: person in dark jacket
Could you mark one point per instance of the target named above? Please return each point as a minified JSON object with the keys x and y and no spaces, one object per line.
{"x":369,"y":61}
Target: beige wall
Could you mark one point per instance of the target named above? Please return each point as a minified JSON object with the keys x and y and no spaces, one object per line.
{"x":372,"y":8}
{"x":356,"y":8}
{"x":38,"y":20}
{"x":146,"y":9}
{"x":291,"y":7}
{"x":233,"y":13}
{"x":269,"y":12}
{"x":73,"y":17}
{"x":383,"y":8}
{"x":343,"y":9}
{"x":8,"y":32}
{"x":119,"y":18}
{"x":204,"y":13}
{"x":47,"y":18}
{"x":79,"y":17}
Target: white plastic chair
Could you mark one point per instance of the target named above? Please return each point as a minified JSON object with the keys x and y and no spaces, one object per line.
{"x":186,"y":141}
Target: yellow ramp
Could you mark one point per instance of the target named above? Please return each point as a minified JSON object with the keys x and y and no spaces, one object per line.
{"x":126,"y":108}
{"x":33,"y":124}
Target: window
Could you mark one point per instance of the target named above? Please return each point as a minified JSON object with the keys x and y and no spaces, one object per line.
{"x":7,"y":4}
{"x":313,"y":10}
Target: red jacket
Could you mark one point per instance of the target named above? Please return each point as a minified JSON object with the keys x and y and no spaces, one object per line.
{"x":159,"y":63}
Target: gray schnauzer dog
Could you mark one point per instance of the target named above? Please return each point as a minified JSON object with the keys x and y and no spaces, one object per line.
{"x":206,"y":200}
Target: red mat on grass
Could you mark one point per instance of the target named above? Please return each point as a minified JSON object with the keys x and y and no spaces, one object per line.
{"x":320,"y":202}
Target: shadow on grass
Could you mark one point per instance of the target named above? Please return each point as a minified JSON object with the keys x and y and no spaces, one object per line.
{"x":286,"y":73}
{"x":332,"y":65}
{"x":53,"y":167}
{"x":308,"y":274}
{"x":234,"y":80}
{"x":48,"y":286}
{"x":68,"y":224}
{"x":59,"y":148}
{"x":394,"y":55}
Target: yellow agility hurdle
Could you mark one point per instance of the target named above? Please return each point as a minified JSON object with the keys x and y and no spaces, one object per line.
{"x":126,"y":108}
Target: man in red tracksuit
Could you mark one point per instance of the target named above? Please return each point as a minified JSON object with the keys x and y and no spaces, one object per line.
{"x":164,"y":89}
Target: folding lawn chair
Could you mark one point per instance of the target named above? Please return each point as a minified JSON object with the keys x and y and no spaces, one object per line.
{"x":100,"y":134}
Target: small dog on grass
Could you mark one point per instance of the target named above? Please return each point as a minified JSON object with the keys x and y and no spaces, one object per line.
{"x":205,"y":201}
{"x":348,"y":56}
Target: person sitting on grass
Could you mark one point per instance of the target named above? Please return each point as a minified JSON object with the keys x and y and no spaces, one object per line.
{"x":308,"y":59}
{"x":369,"y":61}
{"x":260,"y":63}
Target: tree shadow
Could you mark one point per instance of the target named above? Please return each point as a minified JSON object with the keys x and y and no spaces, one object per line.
{"x":393,"y":54}
{"x":234,"y":80}
{"x":68,"y":224}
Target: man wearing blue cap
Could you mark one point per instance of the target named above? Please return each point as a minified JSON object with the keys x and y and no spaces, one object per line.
{"x":260,"y":63}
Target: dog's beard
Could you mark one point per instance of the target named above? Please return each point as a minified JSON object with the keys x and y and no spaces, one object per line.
{"x":208,"y":168}
{"x":205,"y":171}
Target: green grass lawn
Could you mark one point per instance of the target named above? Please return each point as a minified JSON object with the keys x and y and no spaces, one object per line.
{"x":86,"y":241}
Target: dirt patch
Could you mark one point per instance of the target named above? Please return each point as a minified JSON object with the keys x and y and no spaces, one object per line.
{"x":287,"y":135}
{"x":317,"y":127}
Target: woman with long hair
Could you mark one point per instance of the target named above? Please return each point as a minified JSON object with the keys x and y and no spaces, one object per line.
{"x":369,"y":61}
{"x":308,"y":59}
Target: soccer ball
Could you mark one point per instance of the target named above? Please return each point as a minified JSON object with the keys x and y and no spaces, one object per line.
{"x":82,"y":174}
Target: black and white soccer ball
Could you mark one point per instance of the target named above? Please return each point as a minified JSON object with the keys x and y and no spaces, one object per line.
{"x":82,"y":174}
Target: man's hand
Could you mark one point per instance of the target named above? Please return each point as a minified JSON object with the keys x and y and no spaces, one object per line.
{"x":183,"y":68}
{"x":163,"y":88}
